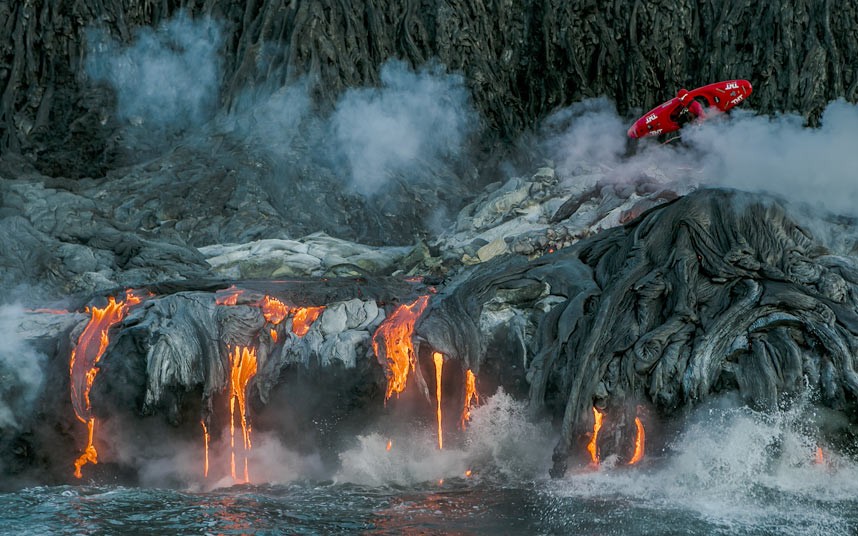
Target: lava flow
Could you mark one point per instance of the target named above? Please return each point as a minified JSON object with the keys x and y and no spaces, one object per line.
{"x":439,"y":365}
{"x":471,"y":398}
{"x":303,"y":318}
{"x":206,"y":447}
{"x":592,"y":447}
{"x":83,"y":366}
{"x":640,"y":442}
{"x":395,"y":334}
{"x":242,"y":362}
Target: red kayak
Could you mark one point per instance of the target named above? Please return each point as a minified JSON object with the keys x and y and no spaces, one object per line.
{"x":672,"y":115}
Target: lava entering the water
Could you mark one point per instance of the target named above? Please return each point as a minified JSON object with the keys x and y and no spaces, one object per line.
{"x":395,"y":334}
{"x":471,"y":398}
{"x":242,"y":363}
{"x":83,"y":366}
{"x":206,"y":450}
{"x":592,"y":446}
{"x":640,"y":442}
{"x":439,"y":366}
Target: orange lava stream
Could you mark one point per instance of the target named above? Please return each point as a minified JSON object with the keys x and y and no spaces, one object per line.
{"x":90,"y":455}
{"x":820,"y":456}
{"x":274,"y":310}
{"x":471,"y":398}
{"x":228,"y":296}
{"x":439,"y":365}
{"x":242,"y":361}
{"x":273,"y":333}
{"x":640,"y":442}
{"x":591,"y":447}
{"x":206,"y":451}
{"x":389,"y":445}
{"x":83,"y":365}
{"x":304,"y":317}
{"x":395,"y":334}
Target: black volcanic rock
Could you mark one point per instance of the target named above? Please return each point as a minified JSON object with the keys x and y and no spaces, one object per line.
{"x":521,"y":59}
{"x":717,"y":292}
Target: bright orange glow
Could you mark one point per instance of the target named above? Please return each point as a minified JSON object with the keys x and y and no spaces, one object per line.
{"x":273,"y":333}
{"x":591,"y":447}
{"x":439,"y":365}
{"x":242,"y":362}
{"x":471,"y":398}
{"x":273,"y":309}
{"x":228,"y":296}
{"x":83,"y":364}
{"x":206,"y":449}
{"x":389,"y":445}
{"x":468,"y":473}
{"x":395,"y":334}
{"x":820,"y":456}
{"x":640,"y":442}
{"x":303,"y":319}
{"x":90,"y":455}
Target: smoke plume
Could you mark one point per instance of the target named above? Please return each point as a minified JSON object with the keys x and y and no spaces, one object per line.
{"x":21,"y":372}
{"x":167,"y":79}
{"x":742,"y":150}
{"x":413,"y":117}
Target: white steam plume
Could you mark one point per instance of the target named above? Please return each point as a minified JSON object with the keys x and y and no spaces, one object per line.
{"x":777,"y":154}
{"x":21,"y":372}
{"x":167,"y":79}
{"x":412,"y":117}
{"x":741,"y":150}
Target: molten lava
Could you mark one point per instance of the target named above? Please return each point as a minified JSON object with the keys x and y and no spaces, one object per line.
{"x":389,"y":445}
{"x":640,"y":442}
{"x":273,"y":310}
{"x":83,"y":365}
{"x":206,"y":450}
{"x":471,"y":398}
{"x":592,"y":447}
{"x":242,"y":363}
{"x":439,"y":365}
{"x":228,"y":296}
{"x":304,"y":317}
{"x":820,"y":456}
{"x":395,"y":334}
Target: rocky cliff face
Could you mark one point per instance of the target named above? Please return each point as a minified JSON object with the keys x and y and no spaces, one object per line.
{"x":521,"y":59}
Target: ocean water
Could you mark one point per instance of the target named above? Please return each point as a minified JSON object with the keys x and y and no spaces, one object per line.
{"x":731,"y":471}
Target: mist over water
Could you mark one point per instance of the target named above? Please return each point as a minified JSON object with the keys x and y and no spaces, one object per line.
{"x":21,"y":373}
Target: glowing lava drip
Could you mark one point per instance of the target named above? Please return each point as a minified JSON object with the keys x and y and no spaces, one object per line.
{"x":395,"y":333}
{"x":439,"y":365}
{"x":640,"y":440}
{"x":471,"y":398}
{"x":242,"y":363}
{"x":206,"y":447}
{"x":83,"y":366}
{"x":591,"y":446}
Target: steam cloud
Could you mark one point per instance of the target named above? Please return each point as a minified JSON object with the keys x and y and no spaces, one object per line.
{"x":777,"y":154}
{"x":20,"y":370}
{"x":167,"y":79}
{"x":413,"y":116}
{"x":742,"y":150}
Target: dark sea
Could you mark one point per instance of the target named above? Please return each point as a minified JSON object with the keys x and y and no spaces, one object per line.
{"x":732,"y":471}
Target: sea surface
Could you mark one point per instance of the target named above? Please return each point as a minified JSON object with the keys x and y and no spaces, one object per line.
{"x":732,"y":471}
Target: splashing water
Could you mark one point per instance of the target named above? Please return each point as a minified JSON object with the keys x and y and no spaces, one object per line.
{"x":733,"y":469}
